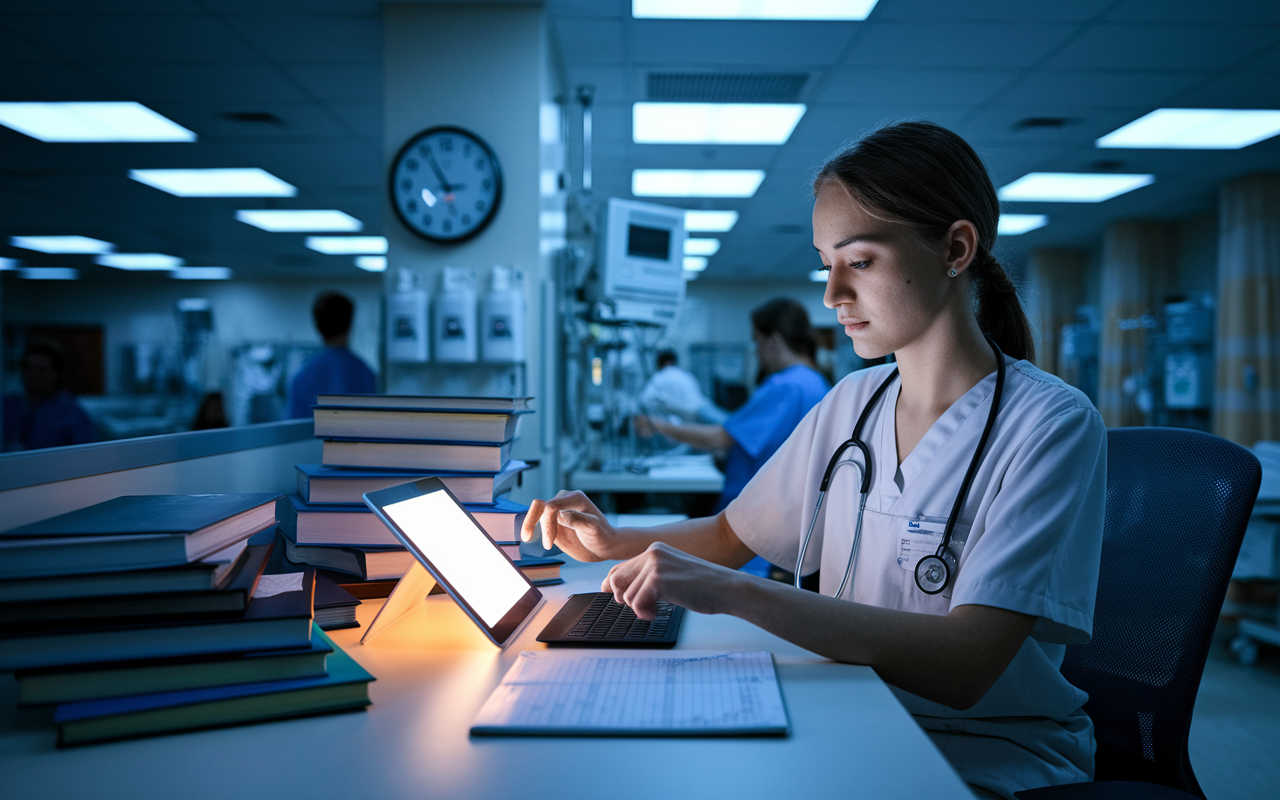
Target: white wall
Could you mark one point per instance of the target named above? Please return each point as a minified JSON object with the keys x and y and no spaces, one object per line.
{"x":137,"y":309}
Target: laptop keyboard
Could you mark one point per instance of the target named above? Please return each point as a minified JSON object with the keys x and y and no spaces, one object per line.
{"x":605,"y":619}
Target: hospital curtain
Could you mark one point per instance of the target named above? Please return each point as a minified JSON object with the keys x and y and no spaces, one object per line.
{"x":1056,"y":276}
{"x":1137,"y":268}
{"x":1247,"y":400}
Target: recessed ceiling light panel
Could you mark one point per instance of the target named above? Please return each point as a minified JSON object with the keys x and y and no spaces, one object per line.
{"x":753,"y":9}
{"x":300,"y":221}
{"x":92,"y":122}
{"x":818,"y":275}
{"x":1195,"y":129}
{"x":202,"y":273}
{"x":714,"y":123}
{"x":695,"y":263}
{"x":695,"y":182}
{"x":372,"y":263}
{"x":139,"y":261}
{"x":232,"y":182}
{"x":1018,"y":224}
{"x":710,"y":221}
{"x":698,"y":246}
{"x":49,"y":273}
{"x":1072,"y":187}
{"x":347,"y":245}
{"x":9,"y":264}
{"x":61,"y":244}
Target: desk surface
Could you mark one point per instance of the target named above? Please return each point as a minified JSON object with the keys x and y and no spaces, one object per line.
{"x":850,"y":736}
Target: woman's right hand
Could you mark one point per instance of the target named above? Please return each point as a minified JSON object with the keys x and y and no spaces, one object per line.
{"x":574,"y":524}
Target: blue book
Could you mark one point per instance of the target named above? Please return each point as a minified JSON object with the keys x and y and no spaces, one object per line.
{"x":341,"y":421}
{"x":321,"y":484}
{"x":416,"y":455}
{"x":355,"y":525}
{"x":134,"y":532}
{"x":345,"y":687}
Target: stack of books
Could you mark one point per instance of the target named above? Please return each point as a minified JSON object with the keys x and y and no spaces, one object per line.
{"x":152,"y":614}
{"x":374,"y":442}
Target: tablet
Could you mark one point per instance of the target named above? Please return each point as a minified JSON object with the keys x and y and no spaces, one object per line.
{"x":451,"y":545}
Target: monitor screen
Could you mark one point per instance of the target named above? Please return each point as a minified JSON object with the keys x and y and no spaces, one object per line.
{"x":481,"y":575}
{"x":646,"y":242}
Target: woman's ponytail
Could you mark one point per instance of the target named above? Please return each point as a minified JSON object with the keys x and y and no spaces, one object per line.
{"x":999,"y":311}
{"x":926,"y":176}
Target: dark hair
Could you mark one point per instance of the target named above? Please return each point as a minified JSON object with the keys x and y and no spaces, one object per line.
{"x":925,"y":176}
{"x":666,"y":357}
{"x":333,"y":312}
{"x":50,"y":351}
{"x":787,"y":318}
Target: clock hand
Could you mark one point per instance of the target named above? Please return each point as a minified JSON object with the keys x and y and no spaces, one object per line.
{"x":444,"y":183}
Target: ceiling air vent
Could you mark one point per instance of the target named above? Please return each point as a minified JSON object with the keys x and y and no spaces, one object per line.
{"x":725,"y":87}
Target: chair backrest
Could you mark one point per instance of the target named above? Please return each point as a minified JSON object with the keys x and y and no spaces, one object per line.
{"x":1178,"y":502}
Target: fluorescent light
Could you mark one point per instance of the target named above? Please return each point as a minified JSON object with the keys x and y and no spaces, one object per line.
{"x":701,"y":247}
{"x":246,"y":182}
{"x":1196,"y":129}
{"x":695,"y":263}
{"x":61,"y":244}
{"x":201,"y":273}
{"x":695,"y":182}
{"x":372,"y":263}
{"x":818,"y":275}
{"x":1072,"y":187}
{"x":92,"y":122}
{"x":753,"y":9}
{"x":50,"y":273}
{"x":714,"y":123}
{"x":690,"y":275}
{"x":139,"y":261}
{"x":9,"y":264}
{"x":347,"y":245}
{"x":710,"y":221}
{"x":1017,"y":224}
{"x":306,"y":221}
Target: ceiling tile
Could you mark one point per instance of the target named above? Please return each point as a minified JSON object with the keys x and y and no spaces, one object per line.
{"x":956,"y":44}
{"x":364,"y":118}
{"x":1000,"y":10}
{"x":136,"y":39}
{"x":716,"y":42}
{"x":1099,"y":88}
{"x":588,"y":41}
{"x":1247,"y":11}
{"x":339,"y":81}
{"x":589,"y":8}
{"x":331,"y":39}
{"x":18,"y":49}
{"x":1162,"y":47}
{"x":612,"y":84}
{"x":52,"y":83}
{"x":911,"y":87}
{"x":829,"y":125}
{"x":1238,"y":90}
{"x":231,"y":84}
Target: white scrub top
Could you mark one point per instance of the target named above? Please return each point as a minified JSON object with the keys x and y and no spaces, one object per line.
{"x":1028,"y":539}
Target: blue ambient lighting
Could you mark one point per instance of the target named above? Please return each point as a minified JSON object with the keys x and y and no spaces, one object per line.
{"x":92,"y":122}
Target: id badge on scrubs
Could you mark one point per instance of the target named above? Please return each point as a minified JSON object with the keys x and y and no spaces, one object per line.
{"x":916,"y":540}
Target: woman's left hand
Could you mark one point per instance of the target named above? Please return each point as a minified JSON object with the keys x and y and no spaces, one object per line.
{"x":664,"y":573}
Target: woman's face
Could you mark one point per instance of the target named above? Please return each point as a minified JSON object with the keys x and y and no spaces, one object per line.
{"x":886,"y":284}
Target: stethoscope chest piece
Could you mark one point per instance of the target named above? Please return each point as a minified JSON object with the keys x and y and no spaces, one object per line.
{"x":933,"y":573}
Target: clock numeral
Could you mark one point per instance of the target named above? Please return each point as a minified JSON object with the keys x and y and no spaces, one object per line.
{"x":466,"y":219}
{"x":486,"y":184}
{"x":411,"y":165}
{"x":412,"y":205}
{"x":426,"y":220}
{"x":480,"y":165}
{"x":447,"y":225}
{"x":424,"y":150}
{"x":480,"y":205}
{"x":446,"y":144}
{"x":406,"y":184}
{"x":466,"y":150}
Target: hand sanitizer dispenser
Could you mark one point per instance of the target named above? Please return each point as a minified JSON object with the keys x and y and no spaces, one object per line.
{"x":502,"y":317}
{"x":455,"y":317}
{"x":407,"y":320}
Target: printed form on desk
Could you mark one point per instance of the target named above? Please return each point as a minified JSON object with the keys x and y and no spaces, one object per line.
{"x":573,"y":693}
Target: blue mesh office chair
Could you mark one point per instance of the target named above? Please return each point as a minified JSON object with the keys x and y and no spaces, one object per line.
{"x":1177,"y":505}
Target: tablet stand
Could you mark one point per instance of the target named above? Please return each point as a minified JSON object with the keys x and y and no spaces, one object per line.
{"x":408,"y":594}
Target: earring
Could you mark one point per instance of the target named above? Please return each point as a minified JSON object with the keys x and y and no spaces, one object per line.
{"x":952,"y":273}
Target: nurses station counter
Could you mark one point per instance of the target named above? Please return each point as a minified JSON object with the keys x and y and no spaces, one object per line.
{"x":434,"y":669}
{"x":849,"y":736}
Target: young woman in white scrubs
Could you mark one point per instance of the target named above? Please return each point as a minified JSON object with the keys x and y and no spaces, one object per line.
{"x":905,"y":221}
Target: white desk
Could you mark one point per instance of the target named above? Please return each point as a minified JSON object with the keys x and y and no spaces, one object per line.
{"x":851,"y":737}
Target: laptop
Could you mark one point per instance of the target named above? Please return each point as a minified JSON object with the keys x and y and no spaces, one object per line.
{"x":430,"y":522}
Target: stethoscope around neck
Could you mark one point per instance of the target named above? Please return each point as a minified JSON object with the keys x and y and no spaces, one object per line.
{"x":933,"y":573}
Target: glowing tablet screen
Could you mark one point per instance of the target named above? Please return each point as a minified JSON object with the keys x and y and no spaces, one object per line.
{"x":479,"y":572}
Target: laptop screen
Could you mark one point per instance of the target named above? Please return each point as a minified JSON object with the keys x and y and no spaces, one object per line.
{"x":455,"y":550}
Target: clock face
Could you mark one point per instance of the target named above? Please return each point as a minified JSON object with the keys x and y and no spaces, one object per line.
{"x":446,"y":184}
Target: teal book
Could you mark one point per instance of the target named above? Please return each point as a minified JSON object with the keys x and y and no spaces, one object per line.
{"x":344,"y":688}
{"x":134,"y":532}
{"x":321,"y":484}
{"x":335,"y":421}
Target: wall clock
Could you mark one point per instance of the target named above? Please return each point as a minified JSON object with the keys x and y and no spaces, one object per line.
{"x":446,"y":184}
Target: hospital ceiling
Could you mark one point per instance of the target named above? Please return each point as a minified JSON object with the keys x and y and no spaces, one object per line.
{"x":294,"y":87}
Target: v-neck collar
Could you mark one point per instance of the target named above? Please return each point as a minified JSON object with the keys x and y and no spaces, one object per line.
{"x":938,"y":435}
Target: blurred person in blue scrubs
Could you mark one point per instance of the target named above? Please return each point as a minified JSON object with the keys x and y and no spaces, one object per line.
{"x":334,"y":370}
{"x":674,"y":392}
{"x":44,"y":414}
{"x":789,"y":384}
